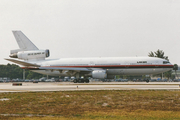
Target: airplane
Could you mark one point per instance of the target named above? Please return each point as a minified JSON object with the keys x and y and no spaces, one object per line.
{"x":28,"y":56}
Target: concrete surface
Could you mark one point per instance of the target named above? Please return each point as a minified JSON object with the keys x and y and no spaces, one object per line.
{"x":68,"y":86}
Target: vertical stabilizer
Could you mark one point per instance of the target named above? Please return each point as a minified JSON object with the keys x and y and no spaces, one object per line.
{"x":24,"y":43}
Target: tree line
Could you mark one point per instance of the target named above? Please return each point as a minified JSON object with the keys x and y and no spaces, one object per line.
{"x":13,"y":71}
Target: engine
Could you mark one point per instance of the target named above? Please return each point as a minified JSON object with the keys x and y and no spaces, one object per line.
{"x":99,"y":74}
{"x":27,"y":55}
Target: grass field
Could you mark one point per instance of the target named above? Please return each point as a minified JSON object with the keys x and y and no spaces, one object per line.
{"x":76,"y":105}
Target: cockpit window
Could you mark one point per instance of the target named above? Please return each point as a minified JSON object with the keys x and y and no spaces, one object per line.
{"x":165,"y":62}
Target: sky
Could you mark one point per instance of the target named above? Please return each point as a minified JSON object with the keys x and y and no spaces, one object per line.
{"x":93,"y":28}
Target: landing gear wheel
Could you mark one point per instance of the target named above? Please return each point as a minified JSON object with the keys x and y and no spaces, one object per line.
{"x":147,"y":80}
{"x":81,"y":80}
{"x":75,"y":80}
{"x":87,"y":80}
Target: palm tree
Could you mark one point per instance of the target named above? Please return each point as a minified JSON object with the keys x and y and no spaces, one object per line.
{"x":151,"y":54}
{"x":159,"y":54}
{"x":175,"y":68}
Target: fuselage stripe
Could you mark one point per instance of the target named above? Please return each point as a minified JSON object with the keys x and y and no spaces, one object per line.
{"x":115,"y":66}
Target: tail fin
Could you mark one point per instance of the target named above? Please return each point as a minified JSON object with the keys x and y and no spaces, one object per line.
{"x":24,"y":43}
{"x":28,"y":51}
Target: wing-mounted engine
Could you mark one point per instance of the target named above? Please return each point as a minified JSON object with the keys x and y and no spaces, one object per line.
{"x":30,"y":55}
{"x":101,"y":74}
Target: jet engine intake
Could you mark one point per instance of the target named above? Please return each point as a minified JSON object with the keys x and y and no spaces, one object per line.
{"x":99,"y":74}
{"x":47,"y":53}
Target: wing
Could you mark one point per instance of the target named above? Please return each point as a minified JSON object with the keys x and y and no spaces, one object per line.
{"x":23,"y":63}
{"x":63,"y":68}
{"x":68,"y":71}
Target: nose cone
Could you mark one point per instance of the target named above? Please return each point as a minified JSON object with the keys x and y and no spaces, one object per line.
{"x":167,"y":67}
{"x":171,"y":65}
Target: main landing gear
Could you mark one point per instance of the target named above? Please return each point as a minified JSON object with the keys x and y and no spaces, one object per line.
{"x":81,"y":80}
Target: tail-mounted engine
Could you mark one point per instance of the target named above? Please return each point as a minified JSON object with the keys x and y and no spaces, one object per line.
{"x":29,"y":55}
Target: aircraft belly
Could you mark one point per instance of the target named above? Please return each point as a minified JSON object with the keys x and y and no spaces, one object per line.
{"x":143,"y":71}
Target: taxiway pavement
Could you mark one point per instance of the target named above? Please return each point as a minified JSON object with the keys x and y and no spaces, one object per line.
{"x":68,"y":86}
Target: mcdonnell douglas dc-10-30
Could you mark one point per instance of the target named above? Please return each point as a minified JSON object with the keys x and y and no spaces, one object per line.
{"x":96,"y":67}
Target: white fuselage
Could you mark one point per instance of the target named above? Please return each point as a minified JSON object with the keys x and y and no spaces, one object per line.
{"x":112,"y":65}
{"x":100,"y":67}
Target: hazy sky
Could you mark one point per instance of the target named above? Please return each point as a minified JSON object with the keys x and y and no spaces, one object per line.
{"x":93,"y":28}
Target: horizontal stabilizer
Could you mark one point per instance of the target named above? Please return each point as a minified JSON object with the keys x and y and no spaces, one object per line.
{"x":23,"y":63}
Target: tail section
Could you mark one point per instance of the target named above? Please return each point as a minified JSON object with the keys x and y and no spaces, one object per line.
{"x":28,"y":51}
